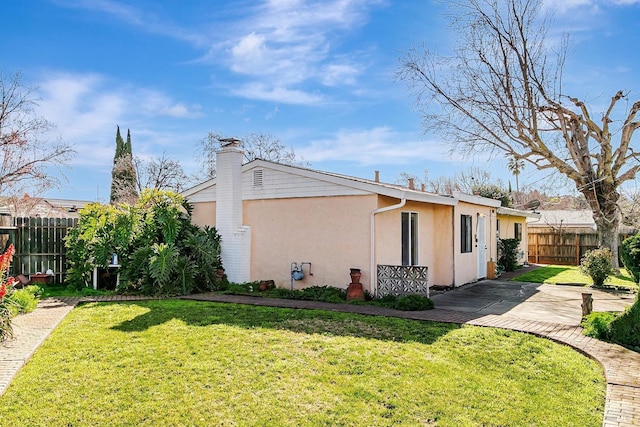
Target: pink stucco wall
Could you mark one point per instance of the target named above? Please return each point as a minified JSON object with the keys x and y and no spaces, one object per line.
{"x":330,"y":232}
{"x":507,"y":231}
{"x":435,"y":238}
{"x":466,"y":263}
{"x":334,"y":234}
{"x":204,"y":213}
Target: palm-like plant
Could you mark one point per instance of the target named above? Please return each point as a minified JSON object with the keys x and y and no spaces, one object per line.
{"x":515,"y":166}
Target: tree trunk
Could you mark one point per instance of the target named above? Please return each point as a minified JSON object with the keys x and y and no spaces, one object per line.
{"x":603,"y":200}
{"x":608,"y":238}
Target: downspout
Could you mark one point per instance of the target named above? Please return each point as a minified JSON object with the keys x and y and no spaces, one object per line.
{"x":453,"y":243}
{"x":372,"y":272}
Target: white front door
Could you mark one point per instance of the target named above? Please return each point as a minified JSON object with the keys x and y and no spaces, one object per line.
{"x":481,"y":241}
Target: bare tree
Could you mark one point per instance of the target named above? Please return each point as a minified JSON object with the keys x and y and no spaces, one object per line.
{"x":255,"y":146}
{"x":502,"y":90}
{"x":407,"y":179}
{"x":164,"y":173}
{"x":26,"y":156}
{"x":465,"y":182}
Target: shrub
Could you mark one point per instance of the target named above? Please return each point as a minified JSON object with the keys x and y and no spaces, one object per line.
{"x":630,"y":254}
{"x":22,"y":300}
{"x":597,"y":265}
{"x":160,"y":251}
{"x":494,"y":192}
{"x":620,"y":328}
{"x":508,"y":254}
{"x":596,"y":324}
{"x":413,"y":303}
{"x":625,"y":328}
{"x":323,"y":293}
{"x":311,"y":293}
{"x":6,"y":331}
{"x":6,"y":288}
{"x":404,"y":302}
{"x":35,"y":290}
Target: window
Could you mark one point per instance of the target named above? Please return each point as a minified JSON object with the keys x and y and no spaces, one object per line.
{"x":498,"y":228}
{"x":409,"y":238}
{"x":517,"y":231}
{"x":465,"y":234}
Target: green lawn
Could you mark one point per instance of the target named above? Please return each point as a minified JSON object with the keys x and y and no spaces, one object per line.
{"x":62,"y":290}
{"x":555,"y":274}
{"x":186,"y":363}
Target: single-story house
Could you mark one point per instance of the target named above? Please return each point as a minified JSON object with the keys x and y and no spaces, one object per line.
{"x":514,"y":224}
{"x":275,"y":219}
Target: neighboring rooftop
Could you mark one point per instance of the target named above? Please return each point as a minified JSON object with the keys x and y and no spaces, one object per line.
{"x":568,"y":219}
{"x":41,"y":207}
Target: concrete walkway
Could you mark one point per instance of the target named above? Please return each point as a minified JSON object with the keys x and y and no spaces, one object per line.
{"x":531,"y":301}
{"x":621,"y":366}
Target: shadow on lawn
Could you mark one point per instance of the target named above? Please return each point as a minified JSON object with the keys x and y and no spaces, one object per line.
{"x":198,"y":313}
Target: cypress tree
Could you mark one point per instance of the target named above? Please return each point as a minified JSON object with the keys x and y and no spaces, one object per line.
{"x":114,"y":172}
{"x":123,"y":174}
{"x":127,"y":145}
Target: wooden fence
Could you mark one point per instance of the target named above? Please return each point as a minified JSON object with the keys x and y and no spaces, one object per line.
{"x":39,"y":244}
{"x":561,"y":248}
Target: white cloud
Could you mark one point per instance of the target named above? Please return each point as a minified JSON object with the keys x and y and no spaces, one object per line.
{"x":76,"y":106}
{"x":379,"y":145}
{"x":294,"y":42}
{"x":566,"y":5}
{"x":85,"y":108}
{"x":582,"y":6}
{"x":280,"y":43}
{"x":337,"y":74}
{"x":155,"y":103}
{"x":280,"y":94}
{"x":135,"y":16}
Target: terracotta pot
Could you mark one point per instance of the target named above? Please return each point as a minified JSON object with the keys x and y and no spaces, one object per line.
{"x":355,"y":292}
{"x":355,"y":275}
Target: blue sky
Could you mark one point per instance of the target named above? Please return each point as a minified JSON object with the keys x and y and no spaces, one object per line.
{"x":318,"y":75}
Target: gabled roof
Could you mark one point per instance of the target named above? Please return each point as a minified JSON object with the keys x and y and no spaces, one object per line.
{"x":361,"y":184}
{"x":565,"y":218}
{"x":571,"y":219}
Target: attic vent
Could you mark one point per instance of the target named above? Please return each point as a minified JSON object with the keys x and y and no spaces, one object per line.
{"x":257,"y":177}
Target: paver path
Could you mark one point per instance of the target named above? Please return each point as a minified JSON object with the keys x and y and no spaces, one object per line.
{"x":621,"y":366}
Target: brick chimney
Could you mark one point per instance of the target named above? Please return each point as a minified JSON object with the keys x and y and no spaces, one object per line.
{"x":377,"y":176}
{"x":236,"y":237}
{"x":411,"y":184}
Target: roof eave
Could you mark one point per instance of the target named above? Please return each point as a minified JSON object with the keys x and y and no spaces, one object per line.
{"x":516,"y":212}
